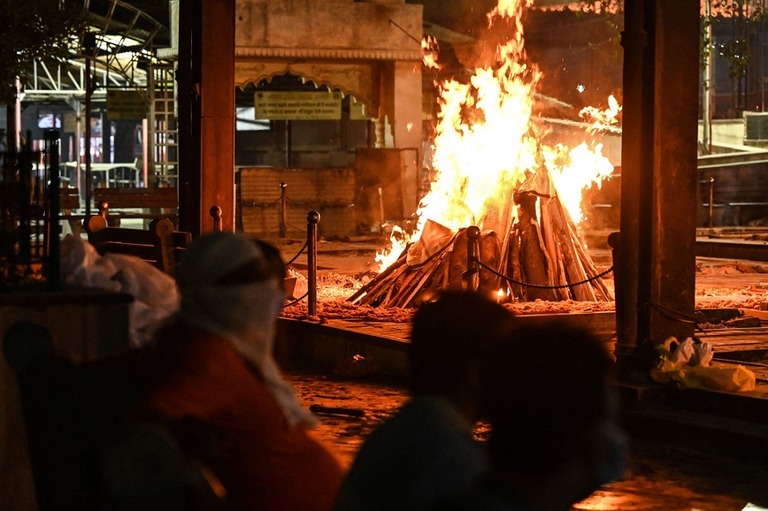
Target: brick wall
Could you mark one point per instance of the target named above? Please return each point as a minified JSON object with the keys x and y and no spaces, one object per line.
{"x":330,"y":191}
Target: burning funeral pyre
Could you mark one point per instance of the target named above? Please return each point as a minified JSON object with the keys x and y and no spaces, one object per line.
{"x":493,"y":172}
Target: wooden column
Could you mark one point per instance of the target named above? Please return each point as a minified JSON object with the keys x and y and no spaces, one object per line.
{"x":636,"y":145}
{"x":675,"y":169}
{"x":655,"y":256}
{"x":206,"y":113}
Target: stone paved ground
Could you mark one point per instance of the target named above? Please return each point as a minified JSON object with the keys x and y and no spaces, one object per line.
{"x":659,"y":478}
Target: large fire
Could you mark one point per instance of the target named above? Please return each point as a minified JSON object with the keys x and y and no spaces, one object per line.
{"x":488,"y":142}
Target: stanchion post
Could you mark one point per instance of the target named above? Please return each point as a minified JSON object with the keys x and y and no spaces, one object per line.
{"x":711,"y":198}
{"x":283,"y":209}
{"x":471,"y":277}
{"x":215,"y":213}
{"x":313,"y":218}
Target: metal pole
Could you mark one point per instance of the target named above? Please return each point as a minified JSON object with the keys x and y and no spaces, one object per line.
{"x":288,"y":144}
{"x":707,"y":83}
{"x":51,"y":263}
{"x":283,"y":209}
{"x":711,"y":212}
{"x":17,"y":144}
{"x":88,"y":175}
{"x":313,"y":218}
{"x":215,"y":212}
{"x":24,"y":161}
{"x":471,"y":276}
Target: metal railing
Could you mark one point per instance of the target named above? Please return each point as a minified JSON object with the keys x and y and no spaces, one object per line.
{"x":29,"y":215}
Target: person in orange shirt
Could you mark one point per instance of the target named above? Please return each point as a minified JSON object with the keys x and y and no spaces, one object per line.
{"x":213,"y":364}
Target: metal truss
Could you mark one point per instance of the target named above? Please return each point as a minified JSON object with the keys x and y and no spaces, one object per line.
{"x":123,"y":39}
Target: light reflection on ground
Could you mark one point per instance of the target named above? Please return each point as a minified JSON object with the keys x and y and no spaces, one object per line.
{"x":658,"y":479}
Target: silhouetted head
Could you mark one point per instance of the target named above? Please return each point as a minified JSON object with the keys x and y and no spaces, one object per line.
{"x":548,"y":398}
{"x":448,"y":336}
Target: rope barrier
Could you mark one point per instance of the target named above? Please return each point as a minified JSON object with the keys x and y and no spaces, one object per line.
{"x":539,"y":286}
{"x":259,"y":205}
{"x":301,"y":251}
{"x":297,"y":300}
{"x":674,"y":315}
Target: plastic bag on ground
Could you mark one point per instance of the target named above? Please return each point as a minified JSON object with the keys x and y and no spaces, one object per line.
{"x":155,"y":294}
{"x":689,"y":365}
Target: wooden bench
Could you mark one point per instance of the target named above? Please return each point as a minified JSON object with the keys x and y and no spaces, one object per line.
{"x":69,"y":199}
{"x":160,"y":245}
{"x":147,"y":203}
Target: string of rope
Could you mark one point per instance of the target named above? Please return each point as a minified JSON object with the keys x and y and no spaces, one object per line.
{"x":674,"y":315}
{"x":297,"y":300}
{"x":301,"y":251}
{"x":540,"y":286}
{"x":254,"y":204}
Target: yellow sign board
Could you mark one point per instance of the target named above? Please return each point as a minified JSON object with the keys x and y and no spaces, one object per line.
{"x":70,"y":122}
{"x":126,"y":104}
{"x":298,"y":105}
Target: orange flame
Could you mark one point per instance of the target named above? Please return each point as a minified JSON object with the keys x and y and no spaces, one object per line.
{"x":487,"y":144}
{"x":429,"y":52}
{"x":603,"y":120}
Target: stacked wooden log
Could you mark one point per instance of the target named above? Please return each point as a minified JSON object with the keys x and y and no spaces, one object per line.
{"x":546,"y":252}
{"x":541,"y":256}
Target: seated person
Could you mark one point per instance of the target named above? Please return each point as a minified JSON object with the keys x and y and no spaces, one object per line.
{"x":554,"y":433}
{"x":213,"y":364}
{"x":426,"y":451}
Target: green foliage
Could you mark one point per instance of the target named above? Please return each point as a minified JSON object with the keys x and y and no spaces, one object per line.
{"x":747,"y":16}
{"x":35,"y":29}
{"x":751,"y":14}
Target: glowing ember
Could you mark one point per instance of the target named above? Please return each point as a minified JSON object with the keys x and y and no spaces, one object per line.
{"x":603,"y":120}
{"x":487,"y":144}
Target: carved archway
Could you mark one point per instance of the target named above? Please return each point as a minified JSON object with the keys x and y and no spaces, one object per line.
{"x":358,"y":80}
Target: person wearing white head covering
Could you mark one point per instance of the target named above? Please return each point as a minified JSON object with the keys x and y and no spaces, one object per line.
{"x":244,"y":311}
{"x":214,"y":363}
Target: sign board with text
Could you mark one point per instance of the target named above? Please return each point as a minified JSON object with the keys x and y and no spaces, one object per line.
{"x":126,"y":104}
{"x":286,"y":106}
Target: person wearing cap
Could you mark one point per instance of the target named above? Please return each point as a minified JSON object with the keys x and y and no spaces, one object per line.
{"x":213,"y":363}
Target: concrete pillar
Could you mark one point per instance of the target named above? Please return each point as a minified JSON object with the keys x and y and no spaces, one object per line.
{"x":655,"y":256}
{"x":407,"y":127}
{"x":206,"y":76}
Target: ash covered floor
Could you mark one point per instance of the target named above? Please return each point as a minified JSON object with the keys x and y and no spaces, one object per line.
{"x":659,"y":478}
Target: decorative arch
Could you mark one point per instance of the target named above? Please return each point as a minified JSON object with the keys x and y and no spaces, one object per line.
{"x":358,"y":80}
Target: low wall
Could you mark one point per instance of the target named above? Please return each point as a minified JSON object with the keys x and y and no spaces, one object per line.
{"x":329,"y":191}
